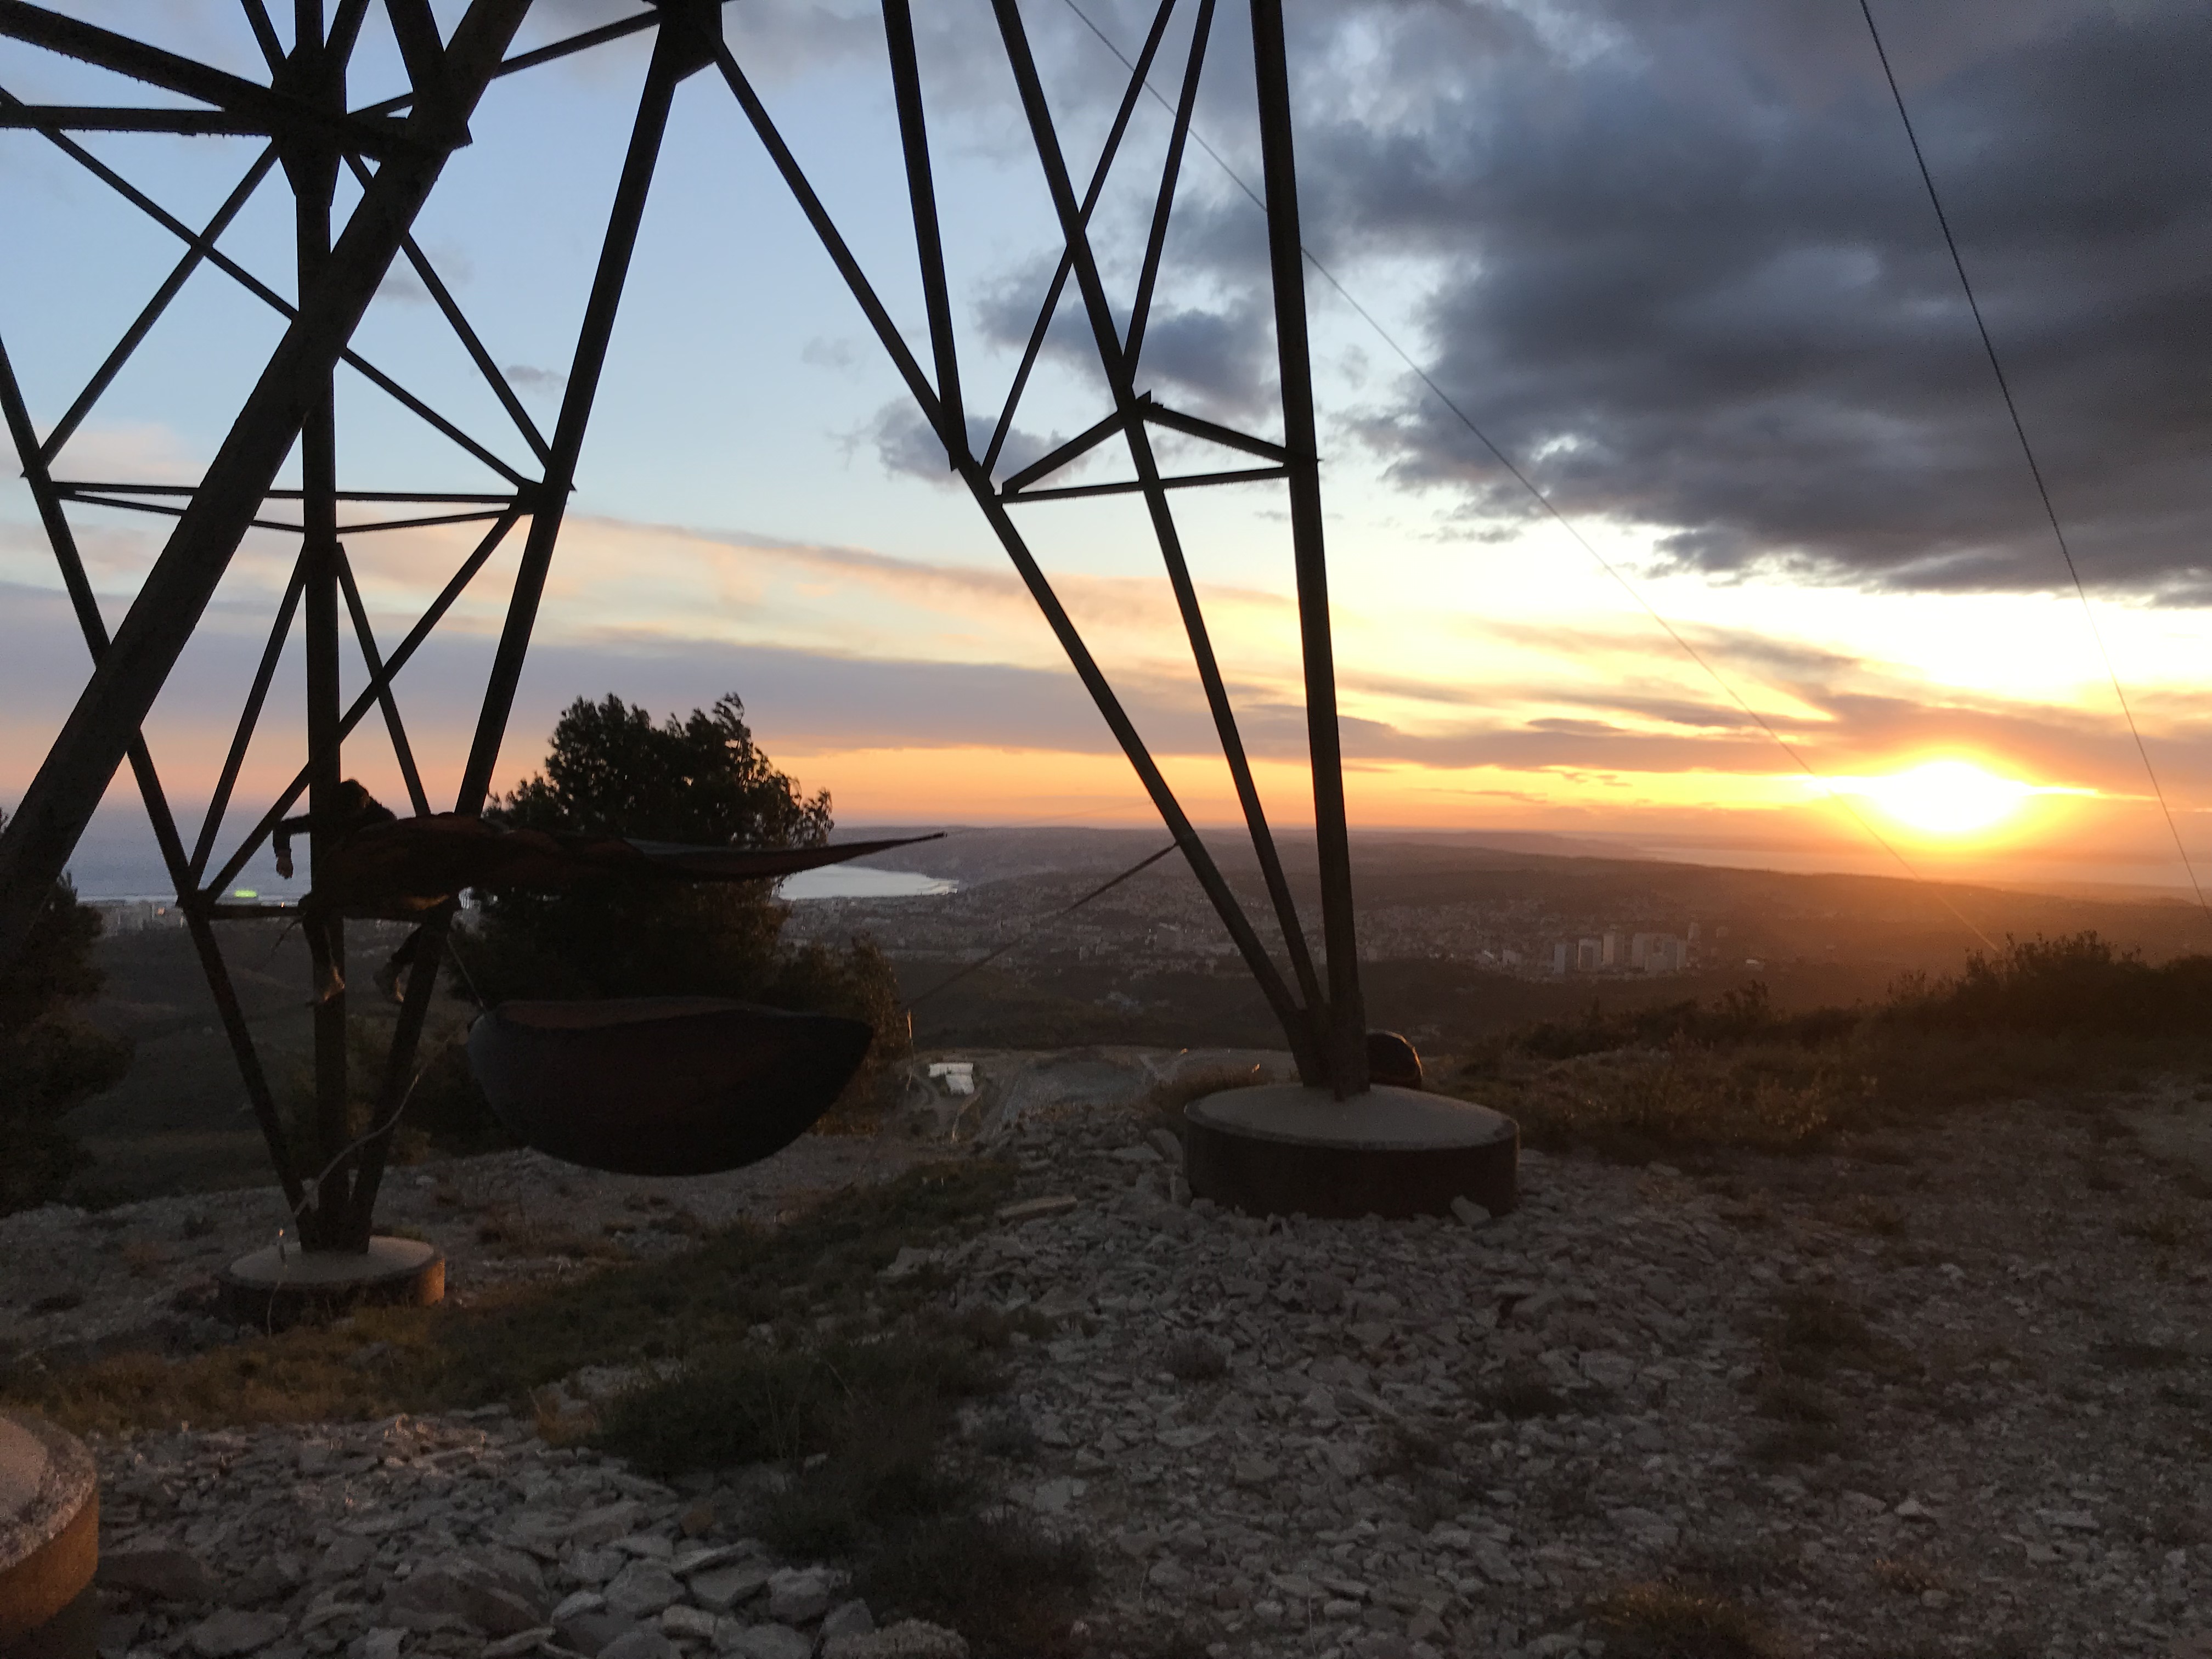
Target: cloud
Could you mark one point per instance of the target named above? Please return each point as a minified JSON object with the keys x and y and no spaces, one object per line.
{"x":1216,"y":357}
{"x":546,"y":381}
{"x":401,"y":286}
{"x":907,"y":445}
{"x":822,"y":352}
{"x":1684,"y":271}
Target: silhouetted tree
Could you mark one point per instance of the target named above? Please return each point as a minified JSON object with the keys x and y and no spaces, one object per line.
{"x":49,"y":1060}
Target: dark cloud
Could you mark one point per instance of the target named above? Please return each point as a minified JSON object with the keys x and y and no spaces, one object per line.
{"x":1690,"y":277}
{"x":906,"y":443}
{"x":1222,"y":360}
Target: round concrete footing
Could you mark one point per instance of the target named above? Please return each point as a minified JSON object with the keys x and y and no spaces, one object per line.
{"x":1284,"y":1150}
{"x":48,"y":1541}
{"x":284,"y":1285}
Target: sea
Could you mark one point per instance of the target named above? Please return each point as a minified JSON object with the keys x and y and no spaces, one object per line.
{"x":110,"y":870}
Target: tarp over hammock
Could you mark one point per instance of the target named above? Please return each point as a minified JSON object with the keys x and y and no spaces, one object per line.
{"x":402,"y":867}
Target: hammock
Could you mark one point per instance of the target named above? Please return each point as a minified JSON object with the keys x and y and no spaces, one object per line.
{"x":661,"y":1086}
{"x":637,"y":1086}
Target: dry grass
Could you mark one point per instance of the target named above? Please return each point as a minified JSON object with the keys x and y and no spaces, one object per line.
{"x":782,"y":1347}
{"x":504,"y":1346}
{"x":1520,"y":1396}
{"x":1164,"y":1106}
{"x":1673,"y":1621}
{"x":2070,"y":1017}
{"x":1639,"y":1104}
{"x":144,"y":1258}
{"x":1801,"y":1442}
{"x":1013,"y":1589}
{"x":1794,"y":1400}
{"x":1816,"y":1332}
{"x":510,"y":1233}
{"x":1809,"y":1423}
{"x":2167,"y":1230}
{"x":1908,"y":1578}
{"x":750,"y":1402}
{"x":2131,"y":1356}
{"x":1007,"y":1438}
{"x":1871,"y":1215}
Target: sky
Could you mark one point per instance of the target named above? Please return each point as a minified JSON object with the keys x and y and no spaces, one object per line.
{"x":1673,"y":260}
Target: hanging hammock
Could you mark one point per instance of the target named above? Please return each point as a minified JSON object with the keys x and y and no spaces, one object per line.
{"x":661,"y":1086}
{"x":637,"y":1086}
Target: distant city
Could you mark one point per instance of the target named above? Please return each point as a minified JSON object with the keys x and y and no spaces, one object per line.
{"x":1162,"y":921}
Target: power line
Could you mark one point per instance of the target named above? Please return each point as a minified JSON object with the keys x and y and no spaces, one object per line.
{"x":2027,"y":451}
{"x":1037,"y":927}
{"x":1557,"y":517}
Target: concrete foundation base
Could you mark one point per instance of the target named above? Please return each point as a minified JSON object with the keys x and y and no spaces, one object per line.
{"x":283,"y":1287}
{"x":49,"y":1542}
{"x":1285,"y":1149}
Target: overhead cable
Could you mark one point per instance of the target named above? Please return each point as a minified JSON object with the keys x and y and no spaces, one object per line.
{"x":1031,"y":931}
{"x":2027,"y":451}
{"x":1545,"y":502}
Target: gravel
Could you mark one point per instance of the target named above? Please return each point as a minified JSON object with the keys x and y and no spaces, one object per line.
{"x":1945,"y":1396}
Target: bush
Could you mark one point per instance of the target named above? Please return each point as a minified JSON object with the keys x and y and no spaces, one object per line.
{"x":2044,"y":1014}
{"x":1744,"y":1014}
{"x":2079,"y":984}
{"x":50,"y":1062}
{"x":743,"y":1404}
{"x":1661,"y":1620}
{"x":1010,"y":1587}
{"x":1641,"y":1103}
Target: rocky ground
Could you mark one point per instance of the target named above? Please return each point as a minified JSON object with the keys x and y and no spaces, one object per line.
{"x":1943,"y":1394}
{"x":79,"y":1283}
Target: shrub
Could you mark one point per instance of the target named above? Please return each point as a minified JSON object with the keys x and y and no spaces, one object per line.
{"x":1010,"y":1587}
{"x":1163,"y":1105}
{"x":49,"y":1061}
{"x":2044,"y":1014}
{"x":1639,"y":1104}
{"x":2077,"y":984}
{"x":1675,"y":1621}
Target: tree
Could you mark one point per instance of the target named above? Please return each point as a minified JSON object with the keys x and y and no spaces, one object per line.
{"x":50,"y":1061}
{"x":701,"y":780}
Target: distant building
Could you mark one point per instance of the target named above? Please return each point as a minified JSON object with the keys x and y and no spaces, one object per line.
{"x":1639,"y":948}
{"x":1664,"y":953}
{"x":1609,"y":955}
{"x":1587,"y":953}
{"x":1559,"y":957}
{"x":136,"y":915}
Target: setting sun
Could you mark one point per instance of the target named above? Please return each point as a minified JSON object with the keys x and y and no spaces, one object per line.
{"x":1947,"y":797}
